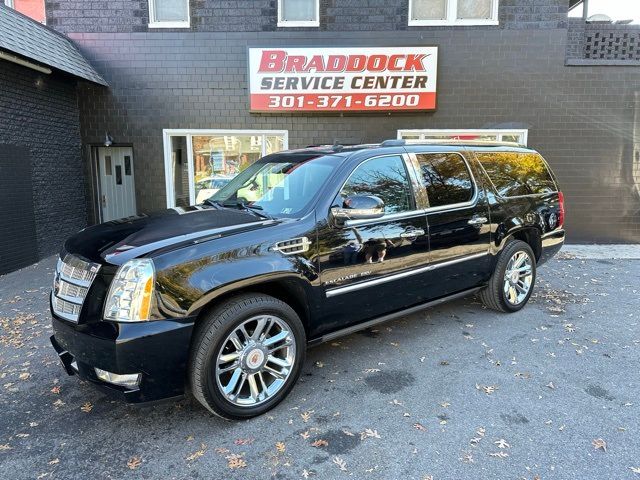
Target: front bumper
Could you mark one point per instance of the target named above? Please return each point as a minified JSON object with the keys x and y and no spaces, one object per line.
{"x":158,"y":350}
{"x":551,"y":244}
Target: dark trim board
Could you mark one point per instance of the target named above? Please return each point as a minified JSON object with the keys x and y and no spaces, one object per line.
{"x":390,"y":316}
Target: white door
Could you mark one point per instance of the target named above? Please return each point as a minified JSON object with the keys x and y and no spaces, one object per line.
{"x":117,"y":187}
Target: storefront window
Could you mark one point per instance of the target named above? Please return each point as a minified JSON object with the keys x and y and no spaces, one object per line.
{"x":200,"y":164}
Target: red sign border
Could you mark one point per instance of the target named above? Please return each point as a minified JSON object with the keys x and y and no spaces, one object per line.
{"x":340,"y":112}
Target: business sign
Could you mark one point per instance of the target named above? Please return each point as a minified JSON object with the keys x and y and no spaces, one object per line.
{"x":342,"y":79}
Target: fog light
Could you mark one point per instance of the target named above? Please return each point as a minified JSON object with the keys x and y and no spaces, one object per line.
{"x":129,"y":380}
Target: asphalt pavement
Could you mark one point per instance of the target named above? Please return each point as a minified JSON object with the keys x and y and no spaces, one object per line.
{"x":455,"y":392}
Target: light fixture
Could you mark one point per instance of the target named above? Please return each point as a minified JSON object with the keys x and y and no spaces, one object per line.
{"x":108,"y":140}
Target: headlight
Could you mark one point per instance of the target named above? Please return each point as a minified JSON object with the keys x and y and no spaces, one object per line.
{"x":129,"y":298}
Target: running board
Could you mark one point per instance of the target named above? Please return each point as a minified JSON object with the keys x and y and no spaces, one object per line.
{"x":390,"y":316}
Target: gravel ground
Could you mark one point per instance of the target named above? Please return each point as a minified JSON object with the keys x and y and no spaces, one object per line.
{"x":455,"y":392}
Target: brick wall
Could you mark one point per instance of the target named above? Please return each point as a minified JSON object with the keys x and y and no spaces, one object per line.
{"x":40,"y":112}
{"x":261,"y":15}
{"x":581,"y":119}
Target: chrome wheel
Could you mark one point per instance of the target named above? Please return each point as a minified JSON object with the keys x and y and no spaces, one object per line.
{"x":518,"y":277}
{"x":255,"y":360}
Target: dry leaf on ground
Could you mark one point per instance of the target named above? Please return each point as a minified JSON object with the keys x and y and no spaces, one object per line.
{"x":134,"y":462}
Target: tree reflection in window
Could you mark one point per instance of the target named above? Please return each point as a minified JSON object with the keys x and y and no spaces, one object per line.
{"x":384,"y":177}
{"x":447,"y":178}
{"x":515,"y":173}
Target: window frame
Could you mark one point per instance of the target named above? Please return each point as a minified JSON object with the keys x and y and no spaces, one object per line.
{"x":474,"y":186}
{"x":189,"y":133}
{"x":452,"y":206}
{"x":452,"y":14}
{"x":414,"y":185}
{"x":299,"y":23}
{"x":424,"y":133}
{"x":154,"y":23}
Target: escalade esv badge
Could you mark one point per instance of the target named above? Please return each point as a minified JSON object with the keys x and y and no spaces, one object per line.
{"x":301,"y":247}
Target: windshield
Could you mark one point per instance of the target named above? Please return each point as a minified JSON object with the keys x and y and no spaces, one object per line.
{"x":280,"y":185}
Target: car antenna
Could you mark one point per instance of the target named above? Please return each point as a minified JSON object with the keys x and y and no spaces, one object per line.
{"x":336,"y":146}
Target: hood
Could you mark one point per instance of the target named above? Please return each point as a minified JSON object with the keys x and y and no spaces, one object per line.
{"x":117,"y":241}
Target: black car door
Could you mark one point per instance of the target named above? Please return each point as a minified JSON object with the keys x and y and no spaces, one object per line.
{"x":458,"y":218}
{"x":368,"y":267}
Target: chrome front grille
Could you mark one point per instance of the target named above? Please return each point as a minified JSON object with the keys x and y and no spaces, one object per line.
{"x":70,"y":286}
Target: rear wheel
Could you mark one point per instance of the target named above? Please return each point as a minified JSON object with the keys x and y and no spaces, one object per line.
{"x":246,"y":356}
{"x":512,"y":281}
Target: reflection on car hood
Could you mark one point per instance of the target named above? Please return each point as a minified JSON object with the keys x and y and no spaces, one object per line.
{"x":117,"y":241}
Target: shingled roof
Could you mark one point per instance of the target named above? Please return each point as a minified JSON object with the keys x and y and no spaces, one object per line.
{"x":31,"y":40}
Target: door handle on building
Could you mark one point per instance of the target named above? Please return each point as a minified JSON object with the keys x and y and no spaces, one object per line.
{"x":477,"y":220}
{"x":104,"y":201}
{"x":414,"y":232}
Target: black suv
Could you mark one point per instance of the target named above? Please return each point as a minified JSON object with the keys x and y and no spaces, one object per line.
{"x":303,"y":246}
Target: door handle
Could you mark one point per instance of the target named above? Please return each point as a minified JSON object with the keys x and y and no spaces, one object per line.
{"x":477,"y":220}
{"x":104,"y":201}
{"x":414,"y":232}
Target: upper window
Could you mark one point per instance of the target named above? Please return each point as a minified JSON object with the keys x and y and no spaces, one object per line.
{"x":169,"y":13}
{"x":516,"y":174}
{"x":483,"y":135}
{"x":383,"y":177}
{"x":447,"y":178}
{"x":453,"y":12}
{"x":298,"y":13}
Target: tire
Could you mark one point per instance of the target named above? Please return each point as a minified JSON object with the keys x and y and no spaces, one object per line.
{"x":223,"y":339}
{"x":494,"y":295}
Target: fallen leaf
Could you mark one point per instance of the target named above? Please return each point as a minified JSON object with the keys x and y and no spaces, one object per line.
{"x":54,"y":461}
{"x":24,"y":376}
{"x":244,"y":441}
{"x":319,"y":364}
{"x":369,"y":433}
{"x":635,"y":469}
{"x":499,"y":454}
{"x":87,"y":407}
{"x":307,"y":473}
{"x":280,"y":447}
{"x":348,"y":433}
{"x":55,"y":390}
{"x":198,"y":453}
{"x":419,"y":426}
{"x":134,"y":462}
{"x":342,"y":465}
{"x":371,"y":370}
{"x":599,"y":443}
{"x":305,"y":435}
{"x":4,"y":447}
{"x":320,"y":443}
{"x":502,"y":443}
{"x":58,"y":403}
{"x":306,"y":415}
{"x":235,"y":461}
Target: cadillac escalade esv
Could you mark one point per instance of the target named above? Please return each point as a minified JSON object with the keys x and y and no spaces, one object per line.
{"x":221,"y":299}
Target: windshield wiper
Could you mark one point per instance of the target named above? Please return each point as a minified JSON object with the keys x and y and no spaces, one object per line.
{"x":255,"y":209}
{"x":213,"y":203}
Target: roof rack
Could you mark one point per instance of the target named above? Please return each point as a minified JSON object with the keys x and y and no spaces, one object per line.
{"x":394,"y":142}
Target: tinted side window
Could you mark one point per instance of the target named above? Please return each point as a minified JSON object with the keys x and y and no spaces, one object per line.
{"x":384,"y":177}
{"x":447,"y":178}
{"x":517,"y":173}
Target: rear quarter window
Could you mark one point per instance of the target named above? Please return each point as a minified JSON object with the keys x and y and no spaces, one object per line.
{"x":514,"y":173}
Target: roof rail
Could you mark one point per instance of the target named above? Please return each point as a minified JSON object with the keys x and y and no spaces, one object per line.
{"x":394,"y":142}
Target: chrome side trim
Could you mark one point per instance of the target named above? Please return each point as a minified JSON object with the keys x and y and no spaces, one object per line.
{"x":397,"y":276}
{"x":391,"y":316}
{"x":385,"y":218}
{"x":293,"y":246}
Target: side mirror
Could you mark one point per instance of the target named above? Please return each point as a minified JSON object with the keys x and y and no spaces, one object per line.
{"x":359,"y":207}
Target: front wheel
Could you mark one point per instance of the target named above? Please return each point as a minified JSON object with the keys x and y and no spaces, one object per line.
{"x":246,"y":356}
{"x":512,"y":281}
